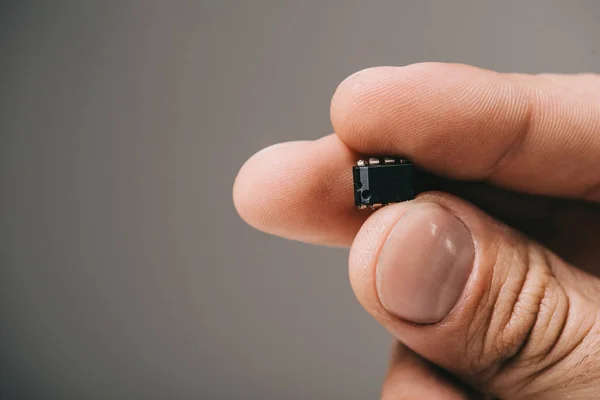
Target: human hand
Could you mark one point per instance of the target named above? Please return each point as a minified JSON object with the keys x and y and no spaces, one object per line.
{"x":492,"y":290}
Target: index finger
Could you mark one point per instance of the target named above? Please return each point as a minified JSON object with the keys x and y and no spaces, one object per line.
{"x":528,"y":133}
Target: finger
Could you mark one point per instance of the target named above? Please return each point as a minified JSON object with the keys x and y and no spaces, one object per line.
{"x":521,"y":132}
{"x":301,"y":191}
{"x":479,"y":299}
{"x":410,"y":377}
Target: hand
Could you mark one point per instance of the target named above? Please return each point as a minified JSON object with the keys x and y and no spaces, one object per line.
{"x":492,"y":290}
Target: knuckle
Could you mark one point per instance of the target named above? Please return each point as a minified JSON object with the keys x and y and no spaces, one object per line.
{"x":526,"y":325}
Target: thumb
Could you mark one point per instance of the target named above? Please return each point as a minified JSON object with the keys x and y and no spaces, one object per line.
{"x":479,"y":299}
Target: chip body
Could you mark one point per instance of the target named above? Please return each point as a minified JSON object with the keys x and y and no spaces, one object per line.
{"x":381,"y":181}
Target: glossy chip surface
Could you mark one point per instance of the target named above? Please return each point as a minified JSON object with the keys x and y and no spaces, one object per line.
{"x":381,"y":181}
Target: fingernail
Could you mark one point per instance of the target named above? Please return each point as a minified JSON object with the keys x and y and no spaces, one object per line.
{"x":424,"y":264}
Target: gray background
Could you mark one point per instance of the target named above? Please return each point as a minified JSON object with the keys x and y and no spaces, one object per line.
{"x":125,"y":272}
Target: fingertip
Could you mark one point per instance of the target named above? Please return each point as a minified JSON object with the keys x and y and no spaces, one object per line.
{"x":254,"y":188}
{"x":359,"y":107}
{"x":351,"y":97}
{"x":368,"y":255}
{"x":436,"y":114}
{"x":301,"y":191}
{"x":364,"y":252}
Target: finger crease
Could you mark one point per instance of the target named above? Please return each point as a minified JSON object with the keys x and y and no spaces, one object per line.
{"x":515,"y":146}
{"x":559,"y":339}
{"x":509,"y":359}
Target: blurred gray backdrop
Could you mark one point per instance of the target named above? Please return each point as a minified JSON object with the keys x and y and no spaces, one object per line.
{"x":125,"y":272}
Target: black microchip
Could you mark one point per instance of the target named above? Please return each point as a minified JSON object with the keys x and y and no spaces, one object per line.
{"x":381,"y":181}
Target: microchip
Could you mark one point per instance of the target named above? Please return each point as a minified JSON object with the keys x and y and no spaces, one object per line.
{"x":379,"y":181}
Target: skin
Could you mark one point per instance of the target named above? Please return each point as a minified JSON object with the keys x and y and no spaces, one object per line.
{"x":521,"y":154}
